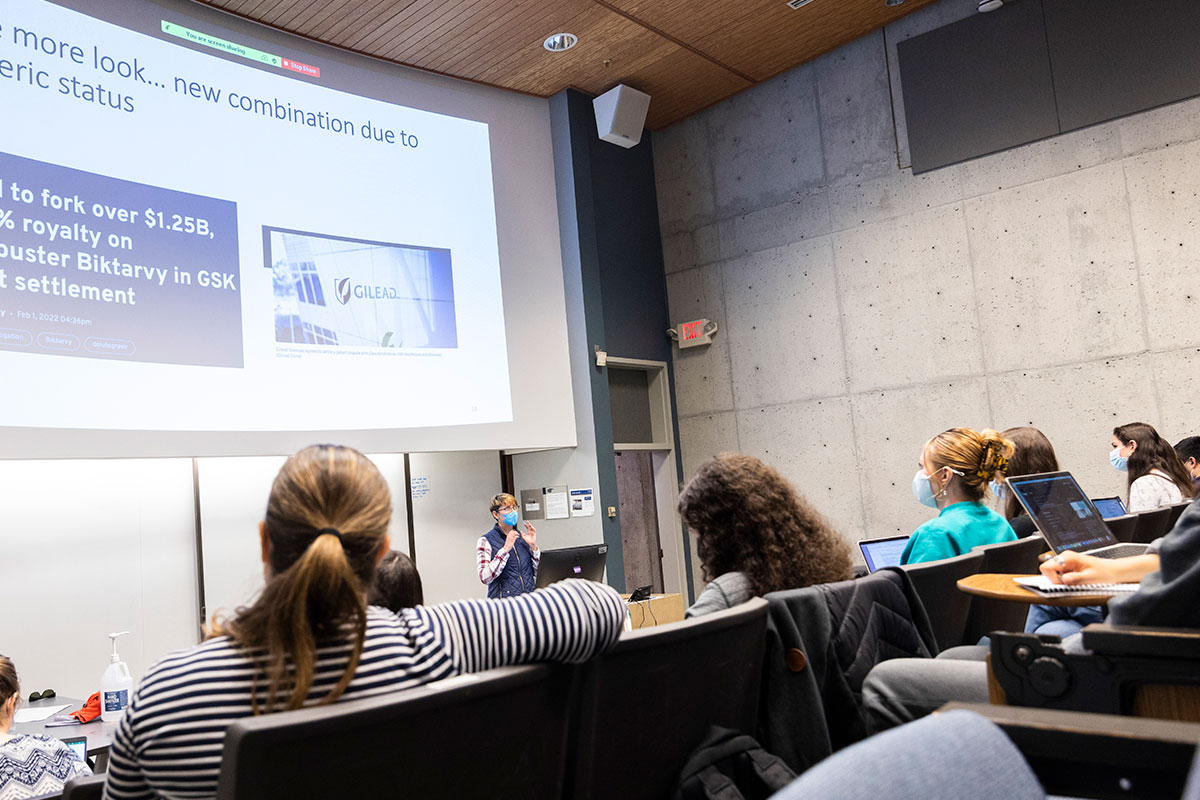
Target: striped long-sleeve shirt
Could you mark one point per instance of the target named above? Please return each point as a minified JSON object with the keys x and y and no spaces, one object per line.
{"x":169,"y":743}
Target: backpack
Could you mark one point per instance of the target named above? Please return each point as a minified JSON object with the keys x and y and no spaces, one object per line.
{"x":731,"y":766}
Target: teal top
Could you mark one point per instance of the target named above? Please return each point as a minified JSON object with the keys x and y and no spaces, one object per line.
{"x":955,"y":531}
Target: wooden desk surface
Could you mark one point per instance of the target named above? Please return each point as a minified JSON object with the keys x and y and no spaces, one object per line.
{"x":1000,"y":586}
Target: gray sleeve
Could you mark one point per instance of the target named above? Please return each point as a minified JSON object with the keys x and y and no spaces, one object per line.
{"x":712,"y":599}
{"x":724,"y":591}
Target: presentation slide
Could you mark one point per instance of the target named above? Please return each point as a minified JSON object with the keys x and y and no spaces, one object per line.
{"x":199,"y":234}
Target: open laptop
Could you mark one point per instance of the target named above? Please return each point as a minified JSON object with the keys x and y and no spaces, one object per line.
{"x":1110,"y":507}
{"x":78,"y":745}
{"x":572,"y":562}
{"x":1067,"y":519}
{"x":883,"y":552}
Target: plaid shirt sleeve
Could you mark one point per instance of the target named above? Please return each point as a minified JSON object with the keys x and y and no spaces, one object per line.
{"x":487,"y":566}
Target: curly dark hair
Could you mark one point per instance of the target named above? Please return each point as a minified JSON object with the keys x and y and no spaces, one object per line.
{"x":748,"y":518}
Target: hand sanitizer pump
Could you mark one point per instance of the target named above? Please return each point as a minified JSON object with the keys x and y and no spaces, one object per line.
{"x":115,"y":685}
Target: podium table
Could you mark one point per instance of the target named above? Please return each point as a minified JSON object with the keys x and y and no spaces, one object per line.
{"x":658,"y":610}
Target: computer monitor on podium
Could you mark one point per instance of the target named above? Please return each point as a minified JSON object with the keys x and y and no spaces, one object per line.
{"x":572,"y":562}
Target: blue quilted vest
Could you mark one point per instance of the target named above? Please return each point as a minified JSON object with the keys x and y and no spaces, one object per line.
{"x":518,"y":575}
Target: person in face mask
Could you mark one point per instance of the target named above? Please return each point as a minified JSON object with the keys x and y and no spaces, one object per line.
{"x":956,"y":467}
{"x":1156,"y":475}
{"x":507,"y":557}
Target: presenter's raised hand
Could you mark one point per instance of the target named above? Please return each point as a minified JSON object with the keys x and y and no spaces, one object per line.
{"x":511,"y":540}
{"x":530,"y":536}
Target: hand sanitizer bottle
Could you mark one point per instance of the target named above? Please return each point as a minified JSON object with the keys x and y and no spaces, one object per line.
{"x":116,"y":685}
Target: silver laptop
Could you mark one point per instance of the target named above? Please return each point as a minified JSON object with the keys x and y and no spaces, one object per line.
{"x":1067,"y":519}
{"x":883,"y":552}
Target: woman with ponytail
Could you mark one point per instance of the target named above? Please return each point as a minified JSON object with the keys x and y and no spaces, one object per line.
{"x":310,"y":638}
{"x":956,"y":467}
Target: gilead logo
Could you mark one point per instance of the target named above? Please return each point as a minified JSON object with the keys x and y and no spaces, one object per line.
{"x":345,"y":290}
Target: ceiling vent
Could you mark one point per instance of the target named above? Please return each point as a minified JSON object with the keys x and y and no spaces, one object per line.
{"x":794,"y":4}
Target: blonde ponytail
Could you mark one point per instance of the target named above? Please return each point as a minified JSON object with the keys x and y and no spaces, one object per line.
{"x":326,"y":525}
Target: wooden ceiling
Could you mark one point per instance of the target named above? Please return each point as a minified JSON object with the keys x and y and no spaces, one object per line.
{"x":686,"y":54}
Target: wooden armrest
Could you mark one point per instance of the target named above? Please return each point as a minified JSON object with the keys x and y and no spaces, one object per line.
{"x":1097,"y":755}
{"x":1135,"y":640}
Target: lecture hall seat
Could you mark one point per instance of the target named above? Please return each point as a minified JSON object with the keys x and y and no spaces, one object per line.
{"x":1020,"y":556}
{"x":90,"y":787}
{"x":442,"y":740}
{"x":1123,"y":527}
{"x":1152,"y":524}
{"x":936,"y":583}
{"x":645,"y":705}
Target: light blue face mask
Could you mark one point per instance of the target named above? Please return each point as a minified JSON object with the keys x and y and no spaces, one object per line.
{"x":922,"y":490}
{"x":1118,"y":461}
{"x":510,"y":519}
{"x":999,"y":489}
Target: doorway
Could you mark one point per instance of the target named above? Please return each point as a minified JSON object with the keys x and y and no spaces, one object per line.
{"x":638,"y":504}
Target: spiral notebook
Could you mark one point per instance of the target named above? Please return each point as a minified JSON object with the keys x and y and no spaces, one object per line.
{"x":1042,"y":585}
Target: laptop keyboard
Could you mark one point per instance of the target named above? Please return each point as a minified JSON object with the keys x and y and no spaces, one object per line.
{"x":1120,"y":551}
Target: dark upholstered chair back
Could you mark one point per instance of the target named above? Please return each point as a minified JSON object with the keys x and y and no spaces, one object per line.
{"x":90,"y":787}
{"x":499,"y":734}
{"x":947,"y":607}
{"x":1177,"y":510}
{"x":645,"y":705}
{"x":1123,"y":527}
{"x":986,"y":615}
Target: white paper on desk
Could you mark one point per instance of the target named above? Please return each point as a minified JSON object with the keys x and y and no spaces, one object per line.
{"x":37,"y":714}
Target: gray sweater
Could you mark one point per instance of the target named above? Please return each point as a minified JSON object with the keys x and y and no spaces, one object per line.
{"x":724,"y":591}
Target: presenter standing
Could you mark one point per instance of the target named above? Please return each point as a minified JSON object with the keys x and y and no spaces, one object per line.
{"x":507,"y":557}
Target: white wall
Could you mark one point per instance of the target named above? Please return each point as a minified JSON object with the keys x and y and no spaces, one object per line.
{"x":863,"y":309}
{"x":449,"y":520}
{"x":91,"y":547}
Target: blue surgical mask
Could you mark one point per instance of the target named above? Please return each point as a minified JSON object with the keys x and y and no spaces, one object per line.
{"x":999,"y":489}
{"x":1118,"y":461}
{"x":922,"y":490}
{"x":510,"y":519}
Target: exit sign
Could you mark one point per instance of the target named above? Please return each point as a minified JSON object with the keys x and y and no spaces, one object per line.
{"x":694,"y":333}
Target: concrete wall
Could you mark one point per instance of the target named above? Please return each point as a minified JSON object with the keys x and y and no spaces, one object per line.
{"x":862,"y":310}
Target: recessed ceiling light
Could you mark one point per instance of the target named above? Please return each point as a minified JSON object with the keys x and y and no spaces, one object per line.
{"x":560,"y":41}
{"x":893,"y":2}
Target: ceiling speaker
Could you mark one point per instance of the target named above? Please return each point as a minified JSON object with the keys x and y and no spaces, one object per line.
{"x":621,"y":115}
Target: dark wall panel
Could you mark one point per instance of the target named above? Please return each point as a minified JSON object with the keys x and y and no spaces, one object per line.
{"x":978,"y":86}
{"x":629,"y":393}
{"x":1117,"y":57}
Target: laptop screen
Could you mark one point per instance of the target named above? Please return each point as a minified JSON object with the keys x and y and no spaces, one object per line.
{"x":1061,"y":511}
{"x":880,"y":553}
{"x":1109,"y":507}
{"x":78,"y":745}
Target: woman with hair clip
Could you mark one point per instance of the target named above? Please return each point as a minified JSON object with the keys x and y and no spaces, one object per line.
{"x":310,"y":638}
{"x":1032,"y":453}
{"x":955,"y":469}
{"x":1156,"y":475}
{"x":755,"y":534}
